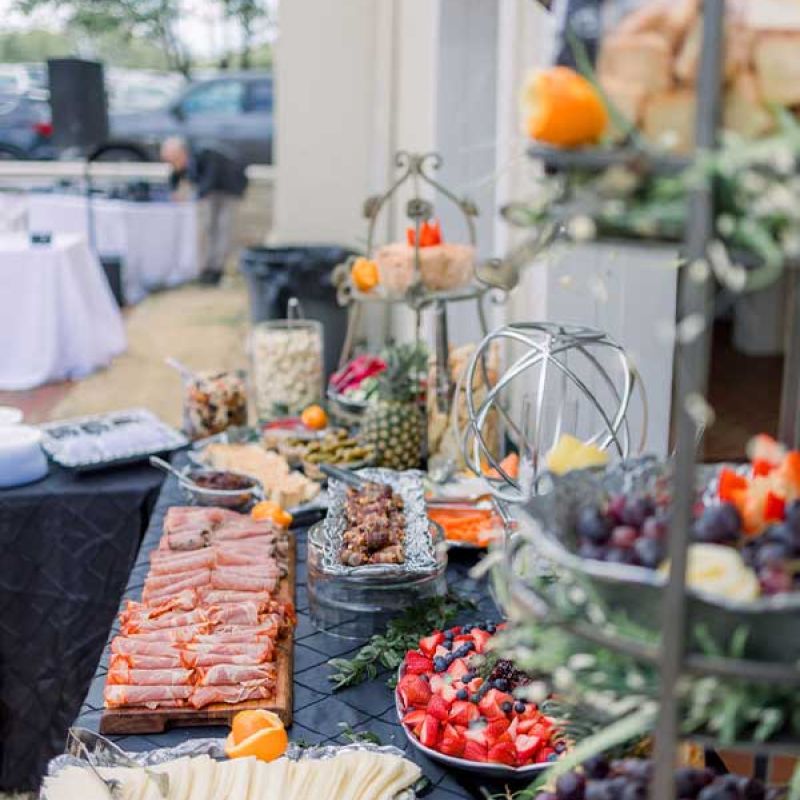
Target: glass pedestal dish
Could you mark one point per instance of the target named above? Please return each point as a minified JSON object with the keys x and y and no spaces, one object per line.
{"x":358,"y":606}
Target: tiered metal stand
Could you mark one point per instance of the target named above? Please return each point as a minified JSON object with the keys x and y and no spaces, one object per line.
{"x":671,"y":655}
{"x":416,"y":170}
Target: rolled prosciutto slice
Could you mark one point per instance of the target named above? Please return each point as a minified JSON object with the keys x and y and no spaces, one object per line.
{"x":154,"y":593}
{"x":214,"y":597}
{"x":205,"y":695}
{"x":194,"y":539}
{"x":179,"y":635}
{"x":212,"y":659}
{"x":170,"y":581}
{"x":123,"y":645}
{"x":231,"y":675}
{"x":243,"y":635}
{"x":243,"y":558}
{"x":189,"y":562}
{"x":258,"y":651}
{"x":232,"y":578}
{"x":117,"y":695}
{"x":234,"y":614}
{"x":137,"y":661}
{"x":237,"y":532}
{"x":122,"y":674}
{"x":143,"y":624}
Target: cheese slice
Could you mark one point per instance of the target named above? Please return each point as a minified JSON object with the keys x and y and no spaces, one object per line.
{"x":75,"y":783}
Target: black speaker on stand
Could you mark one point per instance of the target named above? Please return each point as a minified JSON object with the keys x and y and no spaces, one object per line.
{"x":80,"y":122}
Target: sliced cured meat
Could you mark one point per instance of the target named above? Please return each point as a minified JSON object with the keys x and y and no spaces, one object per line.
{"x":193,"y":560}
{"x":143,"y":624}
{"x":231,"y":675}
{"x":185,"y":600}
{"x":193,"y":539}
{"x":154,"y":594}
{"x":243,"y":558}
{"x":136,"y":661}
{"x":215,"y":597}
{"x":234,"y":614}
{"x":124,"y":645}
{"x":205,"y":695}
{"x":259,"y":651}
{"x":126,"y":676}
{"x":231,"y":578}
{"x":161,"y":581}
{"x":235,"y":532}
{"x":235,"y":634}
{"x":181,"y":516}
{"x":211,"y":659}
{"x":117,"y":695}
{"x":179,"y":635}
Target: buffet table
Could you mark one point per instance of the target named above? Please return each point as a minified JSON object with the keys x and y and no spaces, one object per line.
{"x":157,"y":241}
{"x":67,"y":544}
{"x":319,"y":713}
{"x":58,"y":318}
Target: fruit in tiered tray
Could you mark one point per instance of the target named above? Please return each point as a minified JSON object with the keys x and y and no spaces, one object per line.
{"x":570,"y":453}
{"x":450,"y":707}
{"x":598,"y":778}
{"x":393,"y":426}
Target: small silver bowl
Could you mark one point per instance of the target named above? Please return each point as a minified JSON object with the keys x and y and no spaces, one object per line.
{"x":250,"y":492}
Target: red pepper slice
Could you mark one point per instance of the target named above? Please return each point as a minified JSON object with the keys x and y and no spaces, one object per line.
{"x":774,"y":507}
{"x":729,"y":483}
{"x":762,"y":467}
{"x":411,"y":237}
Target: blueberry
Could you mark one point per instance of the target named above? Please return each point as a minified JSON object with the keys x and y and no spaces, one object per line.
{"x":560,"y":746}
{"x":491,"y":628}
{"x":501,"y":684}
{"x":619,"y":555}
{"x":439,"y":664}
{"x":519,"y":707}
{"x":476,"y":697}
{"x":467,"y":629}
{"x":462,"y":694}
{"x":506,"y":706}
{"x":599,"y":790}
{"x":592,"y":525}
{"x":468,"y":677}
{"x":634,"y":791}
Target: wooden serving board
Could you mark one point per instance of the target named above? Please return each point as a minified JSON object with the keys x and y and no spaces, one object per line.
{"x":123,"y":721}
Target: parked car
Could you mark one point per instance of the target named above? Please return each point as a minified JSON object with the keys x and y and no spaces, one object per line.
{"x":233,"y":109}
{"x":23,"y":78}
{"x":25,"y":127}
{"x":136,"y":90}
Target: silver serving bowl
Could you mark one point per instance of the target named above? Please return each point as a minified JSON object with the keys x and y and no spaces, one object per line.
{"x":547,"y":533}
{"x":224,"y":498}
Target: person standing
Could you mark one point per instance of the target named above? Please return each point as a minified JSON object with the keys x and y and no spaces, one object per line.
{"x":218,"y":180}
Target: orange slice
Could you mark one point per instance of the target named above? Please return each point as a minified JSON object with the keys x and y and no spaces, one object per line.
{"x":270,"y":511}
{"x":257,"y":733}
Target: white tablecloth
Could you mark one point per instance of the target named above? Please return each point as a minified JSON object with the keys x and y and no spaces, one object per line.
{"x":58,"y":318}
{"x":158,"y":242}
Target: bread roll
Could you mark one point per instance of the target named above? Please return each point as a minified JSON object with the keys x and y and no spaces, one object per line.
{"x":687,"y":62}
{"x":681,"y":15}
{"x":628,"y":99}
{"x":777,"y":61}
{"x":642,"y":60}
{"x":745,"y":112}
{"x":669,"y":119}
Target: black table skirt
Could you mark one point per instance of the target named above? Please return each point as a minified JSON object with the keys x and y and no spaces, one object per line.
{"x":319,"y":713}
{"x":67,"y":545}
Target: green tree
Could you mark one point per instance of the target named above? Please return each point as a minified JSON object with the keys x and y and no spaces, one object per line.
{"x":249,"y":14}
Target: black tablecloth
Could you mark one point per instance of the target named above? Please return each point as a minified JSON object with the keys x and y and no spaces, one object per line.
{"x":67,"y":544}
{"x":318,"y":712}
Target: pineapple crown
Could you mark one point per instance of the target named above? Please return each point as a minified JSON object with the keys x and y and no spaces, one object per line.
{"x":404,"y":376}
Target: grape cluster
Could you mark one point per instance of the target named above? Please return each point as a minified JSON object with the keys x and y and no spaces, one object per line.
{"x":510,"y":677}
{"x":629,"y":530}
{"x":628,"y":779}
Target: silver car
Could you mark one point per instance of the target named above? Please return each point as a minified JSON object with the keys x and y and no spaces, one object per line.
{"x":233,"y":109}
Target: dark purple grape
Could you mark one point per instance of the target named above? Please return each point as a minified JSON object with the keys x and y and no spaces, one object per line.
{"x":650,"y":552}
{"x":775,"y":579}
{"x":624,"y":536}
{"x":780,"y":534}
{"x":654,"y":528}
{"x":719,"y":791}
{"x":640,"y":769}
{"x":620,"y":555}
{"x":599,"y":790}
{"x":589,"y":550}
{"x":771,"y":554}
{"x":792,"y":515}
{"x":637,"y":510}
{"x":716,"y":525}
{"x":615,"y":507}
{"x":596,"y":767}
{"x":686,"y":784}
{"x":593,"y":525}
{"x":617,"y":786}
{"x":635,"y":790}
{"x":571,"y":786}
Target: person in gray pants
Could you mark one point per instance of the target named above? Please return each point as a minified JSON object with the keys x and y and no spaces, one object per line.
{"x":218,"y":180}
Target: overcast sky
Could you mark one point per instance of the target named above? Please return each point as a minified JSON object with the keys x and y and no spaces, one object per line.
{"x":201,"y":27}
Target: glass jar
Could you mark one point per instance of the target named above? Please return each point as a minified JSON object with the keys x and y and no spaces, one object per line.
{"x":287,"y":367}
{"x":213,"y":402}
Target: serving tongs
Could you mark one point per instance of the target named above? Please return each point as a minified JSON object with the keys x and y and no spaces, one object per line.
{"x":96,"y":751}
{"x":346,"y":476}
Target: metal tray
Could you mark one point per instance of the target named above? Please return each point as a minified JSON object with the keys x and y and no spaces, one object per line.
{"x":100,"y":433}
{"x":546,"y":526}
{"x":89,"y":750}
{"x":419,"y":549}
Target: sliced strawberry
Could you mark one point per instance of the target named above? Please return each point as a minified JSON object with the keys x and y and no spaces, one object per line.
{"x":503,"y":753}
{"x":496,"y":730}
{"x":429,"y":736}
{"x":527,"y":747}
{"x":457,"y":669}
{"x":439,"y":681}
{"x":452,"y":742}
{"x":418,"y":664}
{"x":440,"y":650}
{"x":525,"y":725}
{"x":414,"y":719}
{"x":475,"y":751}
{"x":513,"y":728}
{"x":477,"y":732}
{"x":414,"y":691}
{"x":490,"y":703}
{"x":463,"y":712}
{"x":429,"y":644}
{"x":481,"y":638}
{"x":474,"y":685}
{"x":544,"y":754}
{"x":439,"y":708}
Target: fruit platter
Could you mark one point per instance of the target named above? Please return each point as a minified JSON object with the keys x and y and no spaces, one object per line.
{"x":610,"y":529}
{"x":463,"y":709}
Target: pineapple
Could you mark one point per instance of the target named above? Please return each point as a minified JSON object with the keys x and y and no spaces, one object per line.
{"x":394,"y":424}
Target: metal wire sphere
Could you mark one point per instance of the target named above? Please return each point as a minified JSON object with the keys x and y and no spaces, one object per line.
{"x":562,"y":379}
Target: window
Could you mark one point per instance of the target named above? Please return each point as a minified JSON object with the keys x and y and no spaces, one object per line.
{"x":259,"y":95}
{"x":219,"y":97}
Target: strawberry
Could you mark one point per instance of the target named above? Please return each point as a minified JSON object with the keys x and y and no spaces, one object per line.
{"x":545,"y":754}
{"x":438,"y":682}
{"x":414,"y":691}
{"x":496,"y":730}
{"x":481,"y":639}
{"x":452,"y":742}
{"x":513,"y":728}
{"x":439,"y":708}
{"x":475,"y":751}
{"x":474,"y":685}
{"x":441,"y":651}
{"x":429,"y":644}
{"x":463,"y":712}
{"x":418,"y":664}
{"x":490,"y":703}
{"x":429,"y":736}
{"x":527,"y":747}
{"x":457,"y":669}
{"x":503,"y":753}
{"x":414,"y":719}
{"x":525,"y":725}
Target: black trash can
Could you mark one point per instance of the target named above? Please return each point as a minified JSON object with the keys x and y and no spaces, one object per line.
{"x":274,"y":274}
